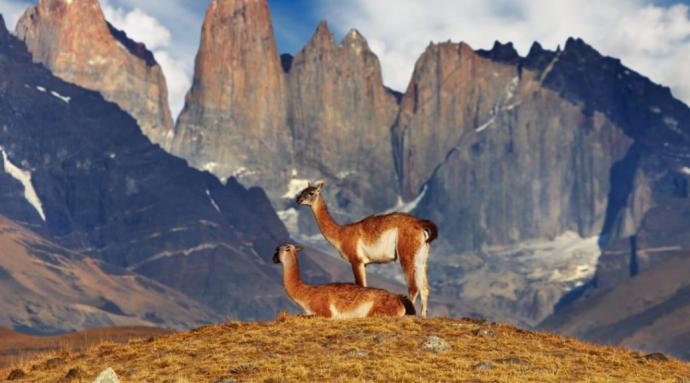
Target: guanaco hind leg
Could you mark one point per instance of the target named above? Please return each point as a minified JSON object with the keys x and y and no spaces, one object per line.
{"x":421,"y":269}
{"x":407,"y":249}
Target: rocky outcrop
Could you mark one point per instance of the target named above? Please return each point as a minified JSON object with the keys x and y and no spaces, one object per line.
{"x":340,"y":116}
{"x":107,"y":61}
{"x":234,"y":119}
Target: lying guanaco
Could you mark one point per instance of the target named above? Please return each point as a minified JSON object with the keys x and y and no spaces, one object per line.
{"x":337,"y":300}
{"x":378,"y":239}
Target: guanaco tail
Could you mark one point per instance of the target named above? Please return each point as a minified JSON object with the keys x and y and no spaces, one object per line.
{"x":337,"y":300}
{"x":378,"y":239}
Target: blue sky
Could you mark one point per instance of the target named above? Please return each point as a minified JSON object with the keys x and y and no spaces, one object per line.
{"x":651,"y":37}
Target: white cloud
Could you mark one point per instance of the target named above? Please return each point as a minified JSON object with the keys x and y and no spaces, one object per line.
{"x":142,"y":27}
{"x":177,"y":75}
{"x":139,"y":26}
{"x":653,"y":40}
{"x":11,"y":11}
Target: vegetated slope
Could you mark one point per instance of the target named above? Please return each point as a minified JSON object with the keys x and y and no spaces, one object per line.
{"x":641,"y":297}
{"x":20,"y":348}
{"x":48,"y":289}
{"x":648,"y":312}
{"x":377,"y":349}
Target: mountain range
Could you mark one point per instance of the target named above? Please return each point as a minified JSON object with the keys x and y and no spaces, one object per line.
{"x":559,"y":179}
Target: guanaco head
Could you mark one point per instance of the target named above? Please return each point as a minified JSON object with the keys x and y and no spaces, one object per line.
{"x":286,"y":249}
{"x":309,"y":195}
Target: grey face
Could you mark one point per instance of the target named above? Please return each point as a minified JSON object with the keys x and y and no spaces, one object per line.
{"x":285,"y":247}
{"x":308,"y":195}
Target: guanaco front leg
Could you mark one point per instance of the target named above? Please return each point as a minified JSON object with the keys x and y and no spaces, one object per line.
{"x":360,"y":273}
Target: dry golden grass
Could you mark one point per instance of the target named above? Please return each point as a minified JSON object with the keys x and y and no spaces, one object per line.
{"x":16,"y":348}
{"x":298,"y":349}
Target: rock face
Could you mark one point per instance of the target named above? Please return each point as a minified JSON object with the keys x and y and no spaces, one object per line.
{"x":278,"y":122}
{"x":507,"y":150}
{"x":340,"y":116}
{"x":234,"y":119}
{"x":107,"y":61}
{"x":504,"y":158}
{"x":78,"y":171}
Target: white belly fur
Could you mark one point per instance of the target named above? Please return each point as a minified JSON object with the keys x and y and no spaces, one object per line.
{"x":380,"y":251}
{"x":360,"y":311}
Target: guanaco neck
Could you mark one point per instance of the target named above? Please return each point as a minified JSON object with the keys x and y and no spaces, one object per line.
{"x":329,"y":228}
{"x":291,"y":278}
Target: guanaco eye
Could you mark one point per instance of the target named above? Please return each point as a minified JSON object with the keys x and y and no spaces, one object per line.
{"x":311,"y":193}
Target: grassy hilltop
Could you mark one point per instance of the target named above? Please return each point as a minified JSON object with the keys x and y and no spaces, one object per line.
{"x":296,"y":349}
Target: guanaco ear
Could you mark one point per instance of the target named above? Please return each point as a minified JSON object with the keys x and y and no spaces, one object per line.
{"x":299,"y":247}
{"x":320,"y":185}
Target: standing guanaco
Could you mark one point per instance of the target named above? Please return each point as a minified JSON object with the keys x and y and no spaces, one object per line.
{"x":337,"y":300}
{"x":378,"y":239}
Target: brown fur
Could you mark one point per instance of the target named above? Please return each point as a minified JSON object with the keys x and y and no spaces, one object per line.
{"x":336,"y":299}
{"x":411,"y":232}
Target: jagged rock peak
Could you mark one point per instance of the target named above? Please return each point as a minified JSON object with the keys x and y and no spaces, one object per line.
{"x":578,"y":47}
{"x":73,"y":40}
{"x":355,"y":41}
{"x":4,"y":33}
{"x":56,"y":9}
{"x":344,"y":79}
{"x":446,"y":47}
{"x":234,"y":118}
{"x":536,"y":49}
{"x":501,"y":52}
{"x":322,"y":36}
{"x":135,"y":48}
{"x":576,"y":43}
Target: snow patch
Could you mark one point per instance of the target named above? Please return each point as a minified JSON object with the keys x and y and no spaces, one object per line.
{"x":24,"y":176}
{"x":512,"y":87}
{"x":295,"y":186}
{"x":566,"y":260}
{"x":485,"y":125}
{"x":41,"y":89}
{"x":61,"y":97}
{"x":183,"y":252}
{"x":213,"y":202}
{"x":98,"y":60}
{"x":242,"y":171}
{"x":685,"y":170}
{"x":343,"y":174}
{"x":122,"y":46}
{"x":209,"y":166}
{"x":403,"y":207}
